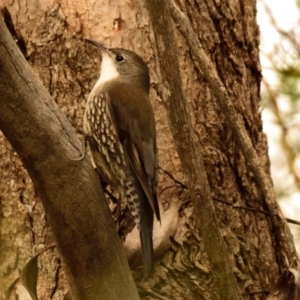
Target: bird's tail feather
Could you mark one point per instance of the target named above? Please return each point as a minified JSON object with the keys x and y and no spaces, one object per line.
{"x":142,"y":212}
{"x":146,"y":239}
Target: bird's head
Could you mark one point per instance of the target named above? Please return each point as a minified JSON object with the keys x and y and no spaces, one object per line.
{"x":118,"y":63}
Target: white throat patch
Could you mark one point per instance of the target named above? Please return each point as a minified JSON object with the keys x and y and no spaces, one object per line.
{"x":108,"y":70}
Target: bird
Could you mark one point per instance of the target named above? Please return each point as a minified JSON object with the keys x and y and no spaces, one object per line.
{"x":119,"y":124}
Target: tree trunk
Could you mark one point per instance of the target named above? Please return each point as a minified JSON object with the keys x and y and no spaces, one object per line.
{"x":51,"y":38}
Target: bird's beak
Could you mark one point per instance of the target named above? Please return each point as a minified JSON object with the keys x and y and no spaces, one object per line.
{"x":104,"y":49}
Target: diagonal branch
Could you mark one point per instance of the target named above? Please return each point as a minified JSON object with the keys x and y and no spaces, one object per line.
{"x":70,"y":190}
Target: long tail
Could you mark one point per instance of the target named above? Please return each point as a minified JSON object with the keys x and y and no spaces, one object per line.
{"x":146,"y":230}
{"x":141,"y":210}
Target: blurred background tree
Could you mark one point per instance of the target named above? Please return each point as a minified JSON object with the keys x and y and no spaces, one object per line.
{"x":280,"y":57}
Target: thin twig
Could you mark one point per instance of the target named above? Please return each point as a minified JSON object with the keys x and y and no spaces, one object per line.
{"x":174,"y":179}
{"x":111,"y":196}
{"x":293,"y":221}
{"x":254,"y":210}
{"x":45,"y":249}
{"x":168,"y":187}
{"x":226,"y":202}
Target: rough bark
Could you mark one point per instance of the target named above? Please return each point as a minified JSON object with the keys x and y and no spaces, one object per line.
{"x":69,"y":188}
{"x":236,"y":124}
{"x":52,"y":42}
{"x":190,"y":154}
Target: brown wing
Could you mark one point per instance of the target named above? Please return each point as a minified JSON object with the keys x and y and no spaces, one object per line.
{"x":134,"y":122}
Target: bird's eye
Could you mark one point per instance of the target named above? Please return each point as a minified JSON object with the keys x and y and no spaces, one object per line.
{"x":119,"y":57}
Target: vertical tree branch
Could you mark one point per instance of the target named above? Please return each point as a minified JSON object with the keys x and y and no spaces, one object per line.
{"x":188,"y":150}
{"x":288,"y":252}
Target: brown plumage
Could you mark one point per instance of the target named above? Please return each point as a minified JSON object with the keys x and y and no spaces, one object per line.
{"x":120,"y":124}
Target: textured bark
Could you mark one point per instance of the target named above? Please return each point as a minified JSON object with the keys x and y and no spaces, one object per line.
{"x":51,"y":35}
{"x":190,"y":154}
{"x":236,"y":124}
{"x":69,"y":188}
